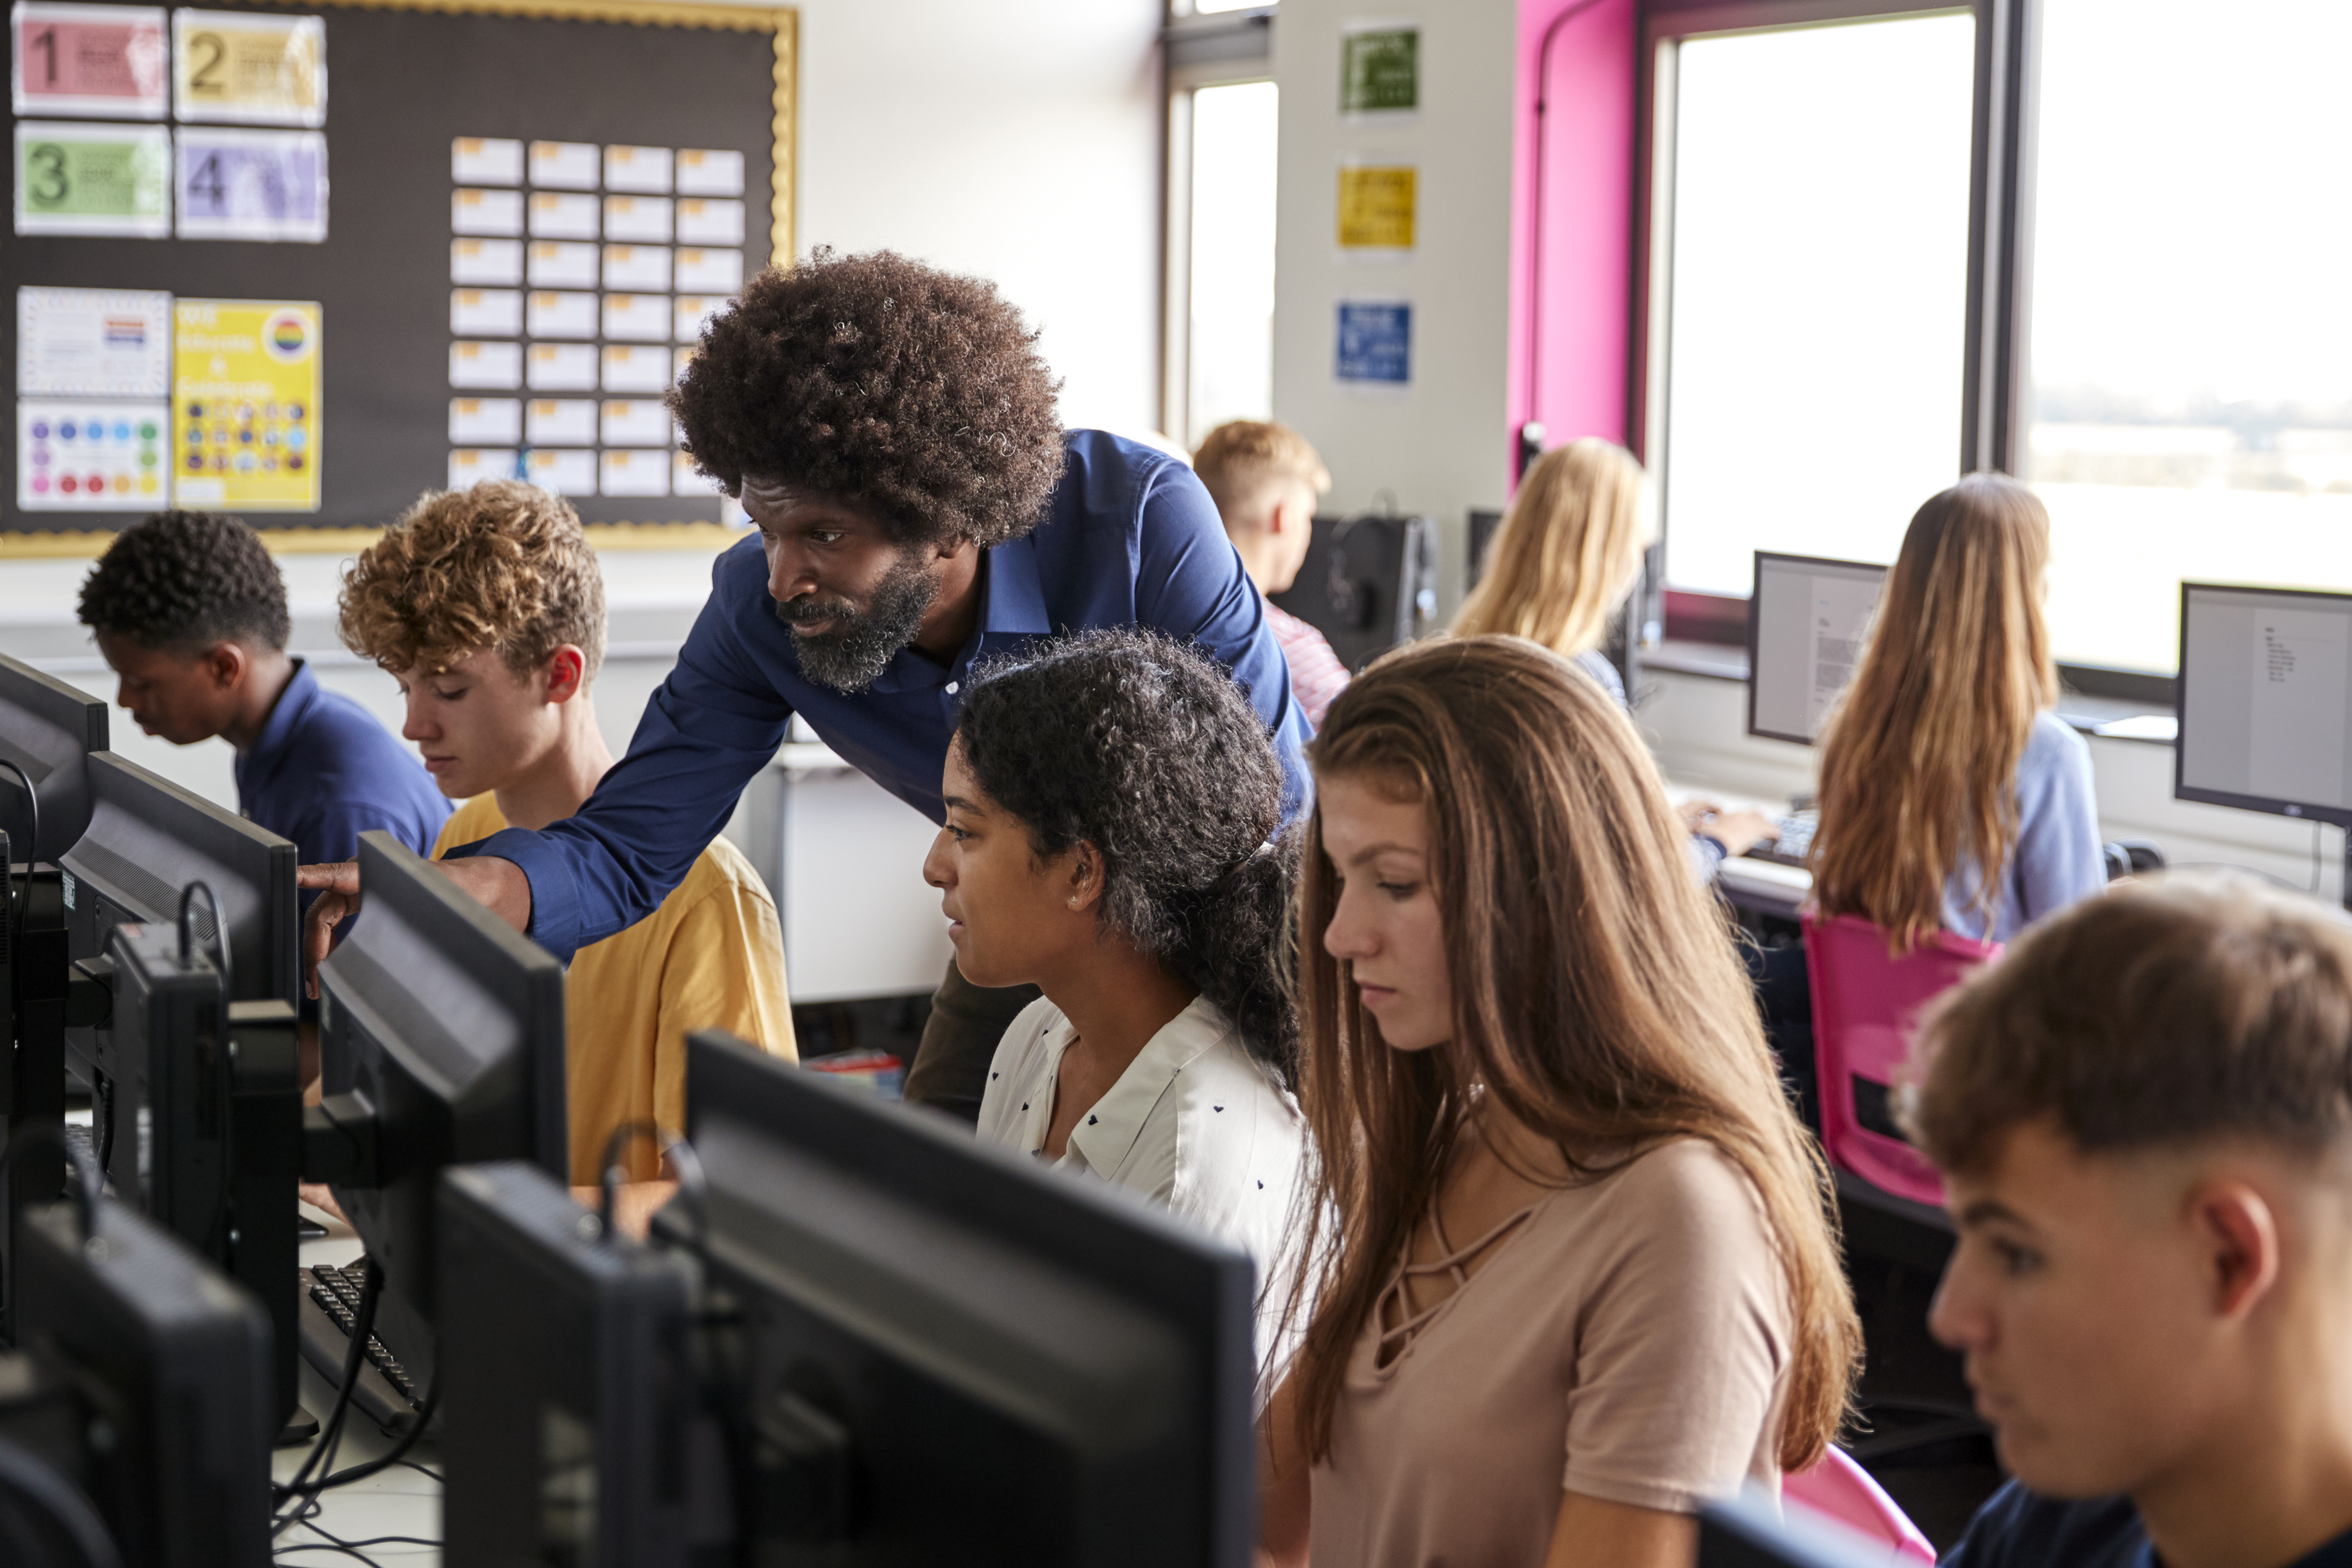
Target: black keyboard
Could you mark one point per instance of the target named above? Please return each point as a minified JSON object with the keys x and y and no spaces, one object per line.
{"x":1788,"y":848}
{"x":386,"y":1392}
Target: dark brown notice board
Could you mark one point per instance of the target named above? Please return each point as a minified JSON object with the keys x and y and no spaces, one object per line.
{"x":405,"y":77}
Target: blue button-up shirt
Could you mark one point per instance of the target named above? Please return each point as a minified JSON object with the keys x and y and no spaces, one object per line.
{"x":323,"y":771}
{"x":1130,"y":538}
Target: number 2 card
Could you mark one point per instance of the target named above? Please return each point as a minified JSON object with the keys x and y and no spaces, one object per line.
{"x":245,"y":68}
{"x":104,"y":60}
{"x":251,"y":184}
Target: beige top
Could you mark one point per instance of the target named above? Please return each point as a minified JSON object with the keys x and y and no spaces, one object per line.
{"x":1626,"y":1340}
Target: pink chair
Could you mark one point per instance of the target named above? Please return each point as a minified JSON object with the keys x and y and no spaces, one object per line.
{"x":1842,"y":1491}
{"x":1865,"y":1005}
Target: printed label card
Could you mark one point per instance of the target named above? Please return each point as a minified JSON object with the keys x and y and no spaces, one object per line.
{"x":493,"y":213}
{"x":636,"y":267}
{"x":562,"y":313}
{"x":632,"y":369}
{"x":639,"y":473}
{"x":1375,"y":344}
{"x":114,"y":180}
{"x":637,"y":318}
{"x":1380,"y":69}
{"x":634,"y":422}
{"x":105,"y":60}
{"x":561,"y":422}
{"x":252,"y":184}
{"x":1376,"y":207}
{"x":640,"y":220}
{"x":485,"y":313}
{"x":490,"y":367}
{"x":245,"y":68}
{"x":643,"y":170}
{"x":494,"y":262}
{"x":702,"y":221}
{"x":703,"y":172}
{"x":554,"y":216}
{"x":91,"y":456}
{"x":470,"y":466}
{"x":485,"y":161}
{"x":561,"y":472}
{"x":93,"y":342}
{"x":564,"y":165}
{"x":692,"y":312}
{"x":562,"y":367}
{"x":562,"y":264}
{"x":709,"y":271}
{"x":485,"y":420}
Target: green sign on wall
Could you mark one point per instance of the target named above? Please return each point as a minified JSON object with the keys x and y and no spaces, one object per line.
{"x":1380,"y":69}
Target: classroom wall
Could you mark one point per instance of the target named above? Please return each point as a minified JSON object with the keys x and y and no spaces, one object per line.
{"x":1442,"y":446}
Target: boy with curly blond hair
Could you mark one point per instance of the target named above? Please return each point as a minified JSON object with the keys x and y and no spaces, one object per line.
{"x":487,"y":607}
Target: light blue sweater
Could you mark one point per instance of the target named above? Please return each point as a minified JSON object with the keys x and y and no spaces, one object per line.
{"x":2057,"y":858}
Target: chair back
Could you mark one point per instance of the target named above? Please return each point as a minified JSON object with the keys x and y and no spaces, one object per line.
{"x":1843,"y":1491}
{"x":1865,"y":1009}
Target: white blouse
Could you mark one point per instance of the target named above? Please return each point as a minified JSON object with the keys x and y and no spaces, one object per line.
{"x":1195,"y":1122}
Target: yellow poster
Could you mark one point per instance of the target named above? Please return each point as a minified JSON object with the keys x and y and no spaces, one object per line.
{"x":1376,"y":207}
{"x":244,"y":405}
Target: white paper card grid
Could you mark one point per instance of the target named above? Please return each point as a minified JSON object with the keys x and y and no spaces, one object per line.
{"x":636,"y":267}
{"x":559,"y":422}
{"x":588,"y":244}
{"x":93,"y":342}
{"x":562,"y":264}
{"x":559,"y":313}
{"x":492,"y":263}
{"x":485,"y":161}
{"x":484,"y":312}
{"x":492,"y":421}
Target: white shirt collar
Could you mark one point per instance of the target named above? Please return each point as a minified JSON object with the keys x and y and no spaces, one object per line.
{"x":1106,"y":1132}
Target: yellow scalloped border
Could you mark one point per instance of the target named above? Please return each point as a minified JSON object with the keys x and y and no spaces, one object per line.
{"x":783,"y":23}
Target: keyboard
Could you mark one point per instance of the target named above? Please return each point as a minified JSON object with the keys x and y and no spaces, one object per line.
{"x":1794,"y":837}
{"x":386,"y":1394}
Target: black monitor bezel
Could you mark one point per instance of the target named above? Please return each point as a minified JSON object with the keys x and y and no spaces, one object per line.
{"x":1754,"y":621}
{"x":2300,"y":811}
{"x":65,"y":807}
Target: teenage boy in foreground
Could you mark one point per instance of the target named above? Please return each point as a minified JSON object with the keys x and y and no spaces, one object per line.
{"x":2143,"y":1114}
{"x":487,"y":607}
{"x":190,"y":612}
{"x":1265,"y":478}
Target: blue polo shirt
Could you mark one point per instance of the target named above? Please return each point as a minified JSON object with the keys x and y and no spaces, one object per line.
{"x":324,"y":771}
{"x":1130,"y":538}
{"x":2019,"y":1529}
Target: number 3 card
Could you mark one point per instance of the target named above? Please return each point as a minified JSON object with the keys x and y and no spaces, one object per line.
{"x":93,"y":179}
{"x":245,"y":68}
{"x":252,"y":184}
{"x":105,"y":61}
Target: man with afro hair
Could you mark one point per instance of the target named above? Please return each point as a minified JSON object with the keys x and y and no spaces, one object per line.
{"x":891,"y":429}
{"x":190,"y":612}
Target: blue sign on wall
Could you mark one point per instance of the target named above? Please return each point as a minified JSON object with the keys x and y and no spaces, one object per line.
{"x":1375,"y":341}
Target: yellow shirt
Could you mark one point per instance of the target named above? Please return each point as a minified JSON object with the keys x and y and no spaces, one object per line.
{"x":711,"y":957}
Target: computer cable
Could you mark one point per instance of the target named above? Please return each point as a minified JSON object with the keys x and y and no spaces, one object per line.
{"x":32,"y":829}
{"x":693,"y":1186}
{"x":399,"y":1453}
{"x":330,"y":1436}
{"x":219,"y":941}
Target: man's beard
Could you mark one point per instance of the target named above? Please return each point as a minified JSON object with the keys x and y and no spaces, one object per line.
{"x":862,"y":642}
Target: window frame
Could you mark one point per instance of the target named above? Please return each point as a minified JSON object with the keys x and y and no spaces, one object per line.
{"x":1999,"y":307}
{"x":1219,"y":48}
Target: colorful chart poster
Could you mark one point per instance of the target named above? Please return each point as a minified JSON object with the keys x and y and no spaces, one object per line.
{"x":246,"y":429}
{"x":1376,"y":207}
{"x":251,"y":184}
{"x":243,"y":68}
{"x":110,"y":180}
{"x":1380,"y":67}
{"x":91,"y":456}
{"x":93,"y":342}
{"x":1375,"y":343}
{"x":105,"y":61}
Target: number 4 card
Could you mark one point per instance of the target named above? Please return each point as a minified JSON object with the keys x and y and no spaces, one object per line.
{"x":104,"y":60}
{"x":252,"y":184}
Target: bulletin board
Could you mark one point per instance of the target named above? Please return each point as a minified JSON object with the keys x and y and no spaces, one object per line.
{"x":431,"y":241}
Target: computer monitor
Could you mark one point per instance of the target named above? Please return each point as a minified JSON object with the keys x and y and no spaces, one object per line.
{"x":932,"y":1300}
{"x":1807,"y":618}
{"x":49,"y":729}
{"x":2265,"y":702}
{"x":1368,"y":584}
{"x":164,"y":1363}
{"x":1753,"y":1531}
{"x":567,"y":1358}
{"x":441,"y":1044}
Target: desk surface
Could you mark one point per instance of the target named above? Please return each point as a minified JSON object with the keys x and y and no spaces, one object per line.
{"x":400,"y":1502}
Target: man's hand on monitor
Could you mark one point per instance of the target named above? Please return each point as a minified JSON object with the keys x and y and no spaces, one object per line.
{"x":338,"y":884}
{"x":634,"y":1203}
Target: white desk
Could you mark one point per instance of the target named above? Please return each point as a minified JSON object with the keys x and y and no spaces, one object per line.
{"x":397,"y":1501}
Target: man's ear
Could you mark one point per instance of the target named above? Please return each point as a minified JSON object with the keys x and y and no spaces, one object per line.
{"x":226,"y":664}
{"x":566,"y":673}
{"x":2238,"y":1231}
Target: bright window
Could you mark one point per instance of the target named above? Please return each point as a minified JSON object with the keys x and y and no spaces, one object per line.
{"x":1230,"y":335}
{"x":1815,"y":307}
{"x":2190,"y":410}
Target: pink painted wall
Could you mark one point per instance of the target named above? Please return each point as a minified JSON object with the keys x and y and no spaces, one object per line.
{"x":1571,"y":218}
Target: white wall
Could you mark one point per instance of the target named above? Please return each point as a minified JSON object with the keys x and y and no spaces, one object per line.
{"x":1021,"y":142}
{"x":1440,"y":446}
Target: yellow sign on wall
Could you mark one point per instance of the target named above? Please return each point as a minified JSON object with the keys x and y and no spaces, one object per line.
{"x":244,"y":405}
{"x":1376,"y":207}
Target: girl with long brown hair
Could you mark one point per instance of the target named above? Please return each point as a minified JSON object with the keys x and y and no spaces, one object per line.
{"x":1572,"y":1271}
{"x":1951,"y":797}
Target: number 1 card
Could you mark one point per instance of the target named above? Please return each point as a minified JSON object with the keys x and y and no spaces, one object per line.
{"x":104,"y":60}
